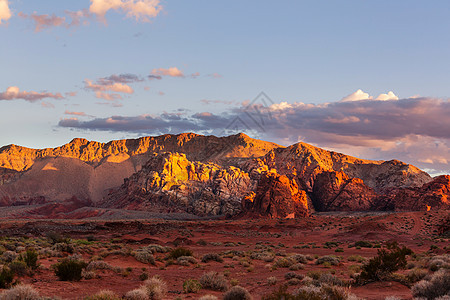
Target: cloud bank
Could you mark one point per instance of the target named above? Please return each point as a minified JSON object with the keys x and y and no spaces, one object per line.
{"x":416,"y":130}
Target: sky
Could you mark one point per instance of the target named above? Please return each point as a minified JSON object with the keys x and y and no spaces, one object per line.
{"x":366,"y":78}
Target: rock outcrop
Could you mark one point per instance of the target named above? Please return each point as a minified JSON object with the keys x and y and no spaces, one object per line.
{"x":277,"y":196}
{"x":431,"y":196}
{"x":170,"y":180}
{"x":211,"y":176}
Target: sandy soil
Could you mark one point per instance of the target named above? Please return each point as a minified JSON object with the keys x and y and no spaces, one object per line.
{"x":416,"y":230}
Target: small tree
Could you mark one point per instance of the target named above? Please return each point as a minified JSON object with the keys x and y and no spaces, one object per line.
{"x":388,"y":260}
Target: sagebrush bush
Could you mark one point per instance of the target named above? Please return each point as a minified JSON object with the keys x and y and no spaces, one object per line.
{"x":9,"y":256}
{"x":186,"y":260}
{"x":191,"y":286}
{"x":212,"y":256}
{"x":237,"y":293}
{"x":20,"y":292}
{"x":144,"y":256}
{"x":388,"y":260}
{"x":208,"y":297}
{"x":214,"y":281}
{"x":416,"y":274}
{"x":434,"y":286}
{"x":155,"y":287}
{"x":178,"y":252}
{"x":331,"y":259}
{"x":69,"y":269}
{"x":137,"y":294}
{"x":300,"y":258}
{"x":104,"y":295}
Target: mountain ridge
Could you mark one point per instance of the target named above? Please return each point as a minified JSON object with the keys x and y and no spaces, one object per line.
{"x":209,"y":176}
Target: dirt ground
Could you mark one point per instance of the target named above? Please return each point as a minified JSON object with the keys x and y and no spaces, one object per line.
{"x":416,"y":230}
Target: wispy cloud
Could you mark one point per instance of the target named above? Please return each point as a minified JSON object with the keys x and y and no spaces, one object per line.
{"x":140,"y":10}
{"x":44,"y":21}
{"x":76,"y":113}
{"x":13,"y":93}
{"x":5,"y":12}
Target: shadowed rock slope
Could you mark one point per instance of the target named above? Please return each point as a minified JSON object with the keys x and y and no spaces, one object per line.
{"x":209,"y":176}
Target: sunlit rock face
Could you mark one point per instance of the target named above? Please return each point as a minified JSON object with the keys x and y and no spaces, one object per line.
{"x":211,"y":176}
{"x":431,"y":196}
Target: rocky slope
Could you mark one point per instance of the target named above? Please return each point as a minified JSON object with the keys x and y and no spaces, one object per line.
{"x":209,"y":176}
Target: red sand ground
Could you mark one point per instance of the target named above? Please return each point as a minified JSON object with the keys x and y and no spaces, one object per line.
{"x":416,"y":230}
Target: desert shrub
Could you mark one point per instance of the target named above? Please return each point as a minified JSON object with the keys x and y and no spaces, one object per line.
{"x":155,"y":248}
{"x":392,"y":298}
{"x":143,"y":276}
{"x":330,"y":259}
{"x":20,"y":292}
{"x":330,"y":280}
{"x":300,"y":258}
{"x":290,"y":275}
{"x":314,"y":274}
{"x":212,"y":256}
{"x":284,"y":262}
{"x":18,"y":267}
{"x":264,"y":256}
{"x":416,"y":274}
{"x":363,"y":244}
{"x":214,"y":281}
{"x":155,"y":287}
{"x":191,"y":286}
{"x":272,"y":280}
{"x":69,"y":269}
{"x":88,"y":274}
{"x":30,"y":258}
{"x":137,"y":294}
{"x":144,"y":256}
{"x":357,"y":258}
{"x":434,"y":286}
{"x":186,"y":260}
{"x":237,"y":293}
{"x":438,"y":262}
{"x":99,"y":265}
{"x":9,"y":256}
{"x":63,"y":247}
{"x":388,"y":260}
{"x":6,"y":278}
{"x":55,"y":237}
{"x":296,"y":267}
{"x":180,"y":251}
{"x":104,"y":295}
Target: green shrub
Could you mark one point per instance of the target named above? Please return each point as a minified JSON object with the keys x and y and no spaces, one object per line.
{"x":363,"y":244}
{"x":178,"y":252}
{"x":388,"y":260}
{"x":69,"y":269}
{"x":30,"y":258}
{"x":330,"y":259}
{"x":19,"y":268}
{"x":6,"y":278}
{"x":191,"y":286}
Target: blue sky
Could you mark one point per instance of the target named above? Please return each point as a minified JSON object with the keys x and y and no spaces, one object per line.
{"x":61,"y":80}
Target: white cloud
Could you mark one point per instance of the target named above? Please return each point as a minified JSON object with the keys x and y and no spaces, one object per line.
{"x":356,"y":96}
{"x":5,"y":12}
{"x":141,"y":10}
{"x":389,"y":96}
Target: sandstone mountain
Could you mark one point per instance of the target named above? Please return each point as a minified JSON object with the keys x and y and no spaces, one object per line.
{"x":212,"y":176}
